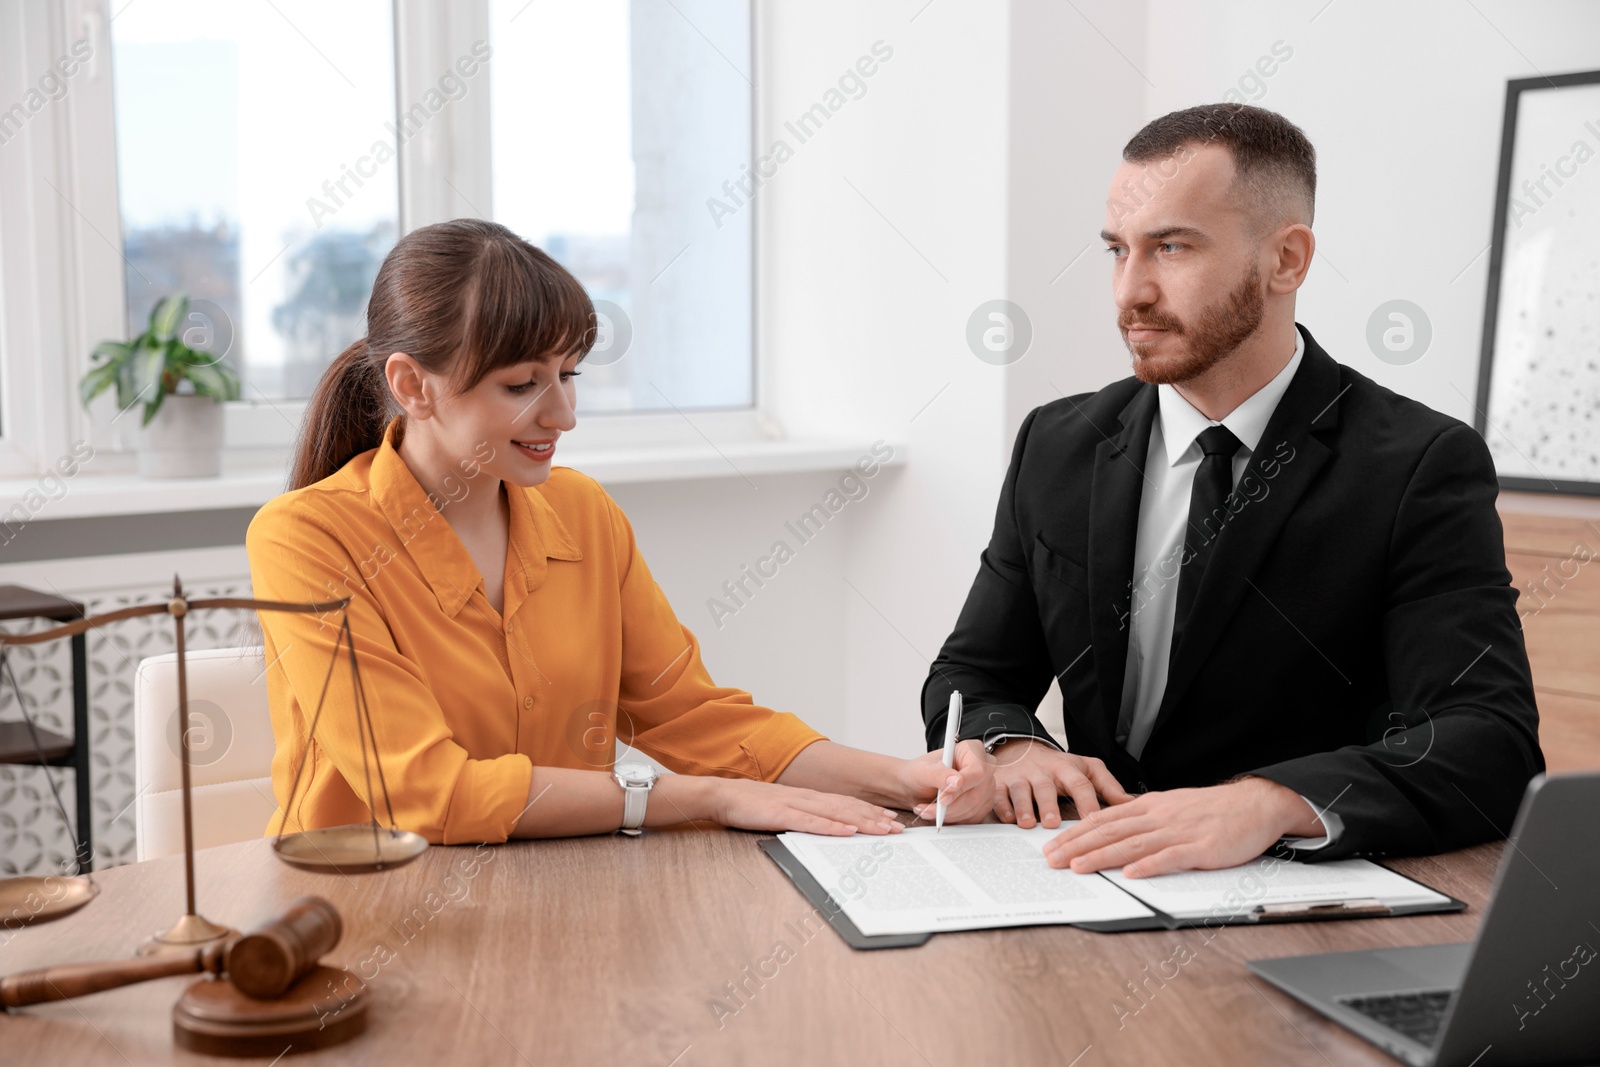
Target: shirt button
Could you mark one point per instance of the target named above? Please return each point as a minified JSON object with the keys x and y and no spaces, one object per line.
{"x":527,"y":702}
{"x":510,"y":626}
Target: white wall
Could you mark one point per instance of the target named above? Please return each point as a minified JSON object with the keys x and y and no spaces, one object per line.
{"x":878,"y":235}
{"x":878,"y":239}
{"x":1404,"y":103}
{"x":1075,"y":101}
{"x":975,"y":166}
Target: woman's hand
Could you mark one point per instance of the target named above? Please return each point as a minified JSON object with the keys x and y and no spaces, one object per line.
{"x":968,"y":788}
{"x":750,"y":805}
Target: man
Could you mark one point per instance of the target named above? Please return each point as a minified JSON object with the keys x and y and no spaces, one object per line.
{"x":1273,"y":592}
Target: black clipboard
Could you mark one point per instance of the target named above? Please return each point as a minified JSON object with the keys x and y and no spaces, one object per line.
{"x":833,"y":912}
{"x":1157,"y":920}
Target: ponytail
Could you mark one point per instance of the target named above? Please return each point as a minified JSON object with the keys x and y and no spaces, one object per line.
{"x":345,"y":416}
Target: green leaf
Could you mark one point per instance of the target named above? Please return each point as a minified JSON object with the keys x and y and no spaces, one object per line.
{"x":208,"y":380}
{"x":97,"y":381}
{"x":125,"y":390}
{"x":235,"y":387}
{"x":168,"y":315}
{"x":148,"y":363}
{"x":112,"y":351}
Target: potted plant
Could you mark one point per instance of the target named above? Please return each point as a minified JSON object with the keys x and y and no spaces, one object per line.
{"x":181,"y":390}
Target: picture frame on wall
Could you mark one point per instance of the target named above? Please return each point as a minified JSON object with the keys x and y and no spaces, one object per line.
{"x":1539,"y":376}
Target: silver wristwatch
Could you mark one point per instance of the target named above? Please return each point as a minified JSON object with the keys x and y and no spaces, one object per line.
{"x":993,"y":742}
{"x":636,"y":780}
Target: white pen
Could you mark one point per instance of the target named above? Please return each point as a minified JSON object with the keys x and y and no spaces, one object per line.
{"x":952,"y":727}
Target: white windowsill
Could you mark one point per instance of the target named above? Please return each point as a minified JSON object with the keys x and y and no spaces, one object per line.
{"x":104,"y":495}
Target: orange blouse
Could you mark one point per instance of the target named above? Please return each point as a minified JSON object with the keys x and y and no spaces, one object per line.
{"x":465,"y":700}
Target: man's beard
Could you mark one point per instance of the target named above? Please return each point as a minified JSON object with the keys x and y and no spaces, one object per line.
{"x":1215,"y":334}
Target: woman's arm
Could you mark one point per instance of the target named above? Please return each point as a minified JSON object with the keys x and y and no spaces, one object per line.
{"x":681,"y":718}
{"x":911,"y":785}
{"x":566,"y":803}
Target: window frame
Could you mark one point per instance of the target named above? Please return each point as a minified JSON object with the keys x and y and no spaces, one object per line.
{"x":62,"y":257}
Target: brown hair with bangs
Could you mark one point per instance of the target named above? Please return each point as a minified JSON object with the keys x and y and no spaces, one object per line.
{"x":463,"y":298}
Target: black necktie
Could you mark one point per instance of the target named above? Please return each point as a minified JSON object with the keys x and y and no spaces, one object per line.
{"x":1213,"y":481}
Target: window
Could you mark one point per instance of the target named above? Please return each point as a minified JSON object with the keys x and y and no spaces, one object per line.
{"x":268,"y":155}
{"x":614,"y":126}
{"x":245,"y":177}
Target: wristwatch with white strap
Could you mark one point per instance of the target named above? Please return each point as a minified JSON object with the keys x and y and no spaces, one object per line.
{"x":636,"y":780}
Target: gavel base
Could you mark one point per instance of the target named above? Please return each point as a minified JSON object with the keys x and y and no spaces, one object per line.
{"x":326,"y":1007}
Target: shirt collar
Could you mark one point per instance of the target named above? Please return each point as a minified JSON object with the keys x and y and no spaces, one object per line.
{"x":537,"y":533}
{"x":1181,"y":422}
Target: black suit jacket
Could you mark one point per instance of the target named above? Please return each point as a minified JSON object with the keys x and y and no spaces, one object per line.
{"x":1355,"y":635}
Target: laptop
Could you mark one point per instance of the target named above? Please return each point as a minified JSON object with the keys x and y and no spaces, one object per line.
{"x":1527,"y":991}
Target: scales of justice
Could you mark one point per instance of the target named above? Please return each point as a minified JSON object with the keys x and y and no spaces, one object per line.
{"x":265,"y":990}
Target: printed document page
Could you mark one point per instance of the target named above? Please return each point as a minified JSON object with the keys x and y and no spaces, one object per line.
{"x":1237,"y":890}
{"x":960,"y":878}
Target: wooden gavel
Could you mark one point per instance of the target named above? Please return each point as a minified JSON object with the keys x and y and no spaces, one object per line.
{"x":263,"y":965}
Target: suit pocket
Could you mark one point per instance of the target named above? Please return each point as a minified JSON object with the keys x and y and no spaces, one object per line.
{"x":1057,"y":568}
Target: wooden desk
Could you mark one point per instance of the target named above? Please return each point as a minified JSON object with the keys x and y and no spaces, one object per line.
{"x":607,"y":950}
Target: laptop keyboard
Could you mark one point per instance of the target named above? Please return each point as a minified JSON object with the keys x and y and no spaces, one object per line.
{"x":1416,"y":1015}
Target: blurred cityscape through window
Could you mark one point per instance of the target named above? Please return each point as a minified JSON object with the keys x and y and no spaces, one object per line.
{"x":257,"y":172}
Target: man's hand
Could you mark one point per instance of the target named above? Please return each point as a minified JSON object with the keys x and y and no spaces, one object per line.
{"x":1031,"y":774}
{"x":968,"y":788}
{"x":1185,"y":829}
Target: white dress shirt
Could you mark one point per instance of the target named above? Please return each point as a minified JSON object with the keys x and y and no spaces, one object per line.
{"x":1170,"y":465}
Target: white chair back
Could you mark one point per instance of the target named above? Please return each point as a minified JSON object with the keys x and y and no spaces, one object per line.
{"x":230,"y":750}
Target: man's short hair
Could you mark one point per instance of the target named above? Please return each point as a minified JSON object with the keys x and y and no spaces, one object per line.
{"x":1275,"y":167}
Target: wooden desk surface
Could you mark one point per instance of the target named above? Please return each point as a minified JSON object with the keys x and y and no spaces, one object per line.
{"x":608,"y":950}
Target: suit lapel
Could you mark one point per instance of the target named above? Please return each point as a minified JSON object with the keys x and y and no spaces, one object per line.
{"x":1308,"y":405}
{"x":1114,"y":496}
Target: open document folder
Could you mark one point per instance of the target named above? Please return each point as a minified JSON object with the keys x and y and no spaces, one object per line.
{"x":920,"y":882}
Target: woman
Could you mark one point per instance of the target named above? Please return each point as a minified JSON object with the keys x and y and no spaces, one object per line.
{"x":508,"y":630}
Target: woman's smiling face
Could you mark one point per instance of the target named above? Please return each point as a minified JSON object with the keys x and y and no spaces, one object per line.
{"x":530,"y":405}
{"x":498,"y":424}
